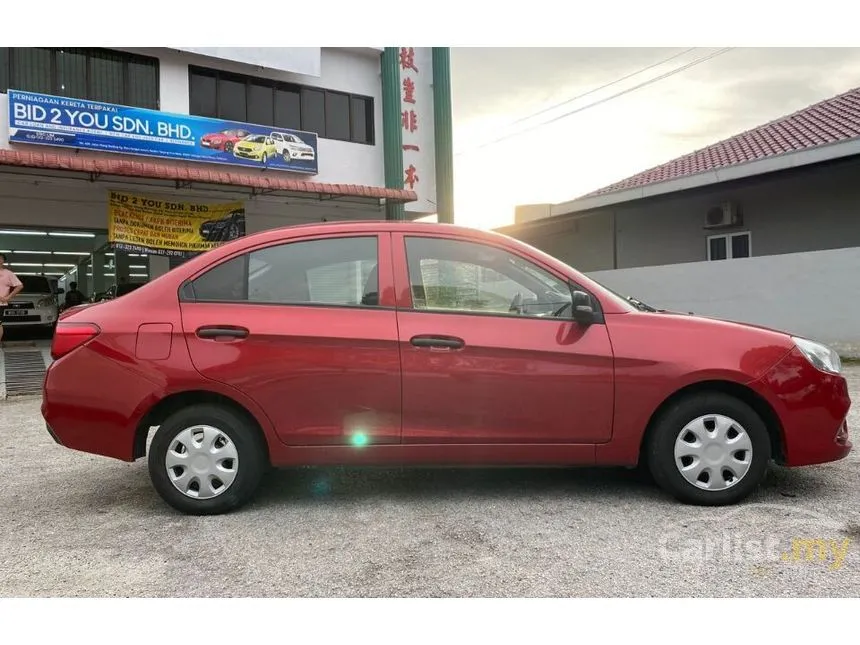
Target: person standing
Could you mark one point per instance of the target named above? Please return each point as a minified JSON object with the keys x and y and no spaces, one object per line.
{"x":10,"y":286}
{"x":73,"y":296}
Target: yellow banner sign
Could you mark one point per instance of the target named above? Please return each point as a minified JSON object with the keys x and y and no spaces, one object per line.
{"x":158,"y":226}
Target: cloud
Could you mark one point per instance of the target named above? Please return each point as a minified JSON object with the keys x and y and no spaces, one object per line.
{"x":719,"y":98}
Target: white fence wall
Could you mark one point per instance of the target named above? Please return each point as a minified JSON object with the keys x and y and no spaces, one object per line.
{"x":815,"y":294}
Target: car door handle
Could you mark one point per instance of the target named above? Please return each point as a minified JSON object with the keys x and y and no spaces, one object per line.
{"x":222,"y":332}
{"x":445,"y":342}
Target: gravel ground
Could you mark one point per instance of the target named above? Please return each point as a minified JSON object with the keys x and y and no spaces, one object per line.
{"x":79,"y":525}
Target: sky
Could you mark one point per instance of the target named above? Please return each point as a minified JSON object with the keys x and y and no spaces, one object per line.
{"x":497,"y":91}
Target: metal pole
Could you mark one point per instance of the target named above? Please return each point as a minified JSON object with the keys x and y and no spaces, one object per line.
{"x":392,"y":135}
{"x":444,"y":137}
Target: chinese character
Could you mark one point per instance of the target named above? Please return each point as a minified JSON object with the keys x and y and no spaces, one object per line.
{"x":407,"y":58}
{"x":411,"y":176}
{"x":411,"y":146}
{"x":410,"y":120}
{"x":408,"y":90}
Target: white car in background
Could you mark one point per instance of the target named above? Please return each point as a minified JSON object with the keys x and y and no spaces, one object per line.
{"x":36,"y":306}
{"x":290,"y":147}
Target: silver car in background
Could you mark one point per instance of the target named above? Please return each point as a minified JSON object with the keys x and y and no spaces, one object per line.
{"x":37,"y":306}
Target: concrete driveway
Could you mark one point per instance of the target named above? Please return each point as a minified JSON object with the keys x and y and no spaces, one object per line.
{"x":77,"y":525}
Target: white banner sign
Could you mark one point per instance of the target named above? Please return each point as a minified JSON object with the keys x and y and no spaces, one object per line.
{"x":416,"y":106}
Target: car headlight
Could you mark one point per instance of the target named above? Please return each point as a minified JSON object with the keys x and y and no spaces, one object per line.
{"x":821,"y":356}
{"x":45,"y":302}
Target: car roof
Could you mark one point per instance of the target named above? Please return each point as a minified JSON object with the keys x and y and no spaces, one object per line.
{"x":375,"y":226}
{"x":297,"y":231}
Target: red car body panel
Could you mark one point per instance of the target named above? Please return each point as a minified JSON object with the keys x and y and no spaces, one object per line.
{"x":520,"y":391}
{"x":812,"y":408}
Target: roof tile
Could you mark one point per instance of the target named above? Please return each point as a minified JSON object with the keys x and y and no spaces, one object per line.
{"x":129,"y":168}
{"x":833,"y":120}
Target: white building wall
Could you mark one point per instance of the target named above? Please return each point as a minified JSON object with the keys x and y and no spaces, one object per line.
{"x":340,"y":162}
{"x":814,"y":294}
{"x":30,"y":200}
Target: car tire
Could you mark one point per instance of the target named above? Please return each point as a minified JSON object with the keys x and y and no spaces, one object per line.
{"x":287,"y":158}
{"x":708,"y":431}
{"x":228,"y":147}
{"x":207,"y":421}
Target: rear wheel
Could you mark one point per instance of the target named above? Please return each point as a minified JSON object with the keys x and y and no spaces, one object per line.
{"x":206,"y":459}
{"x":709,"y":449}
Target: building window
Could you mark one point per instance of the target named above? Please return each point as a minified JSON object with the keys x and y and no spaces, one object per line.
{"x":331,"y":114}
{"x":729,"y":246}
{"x":82,"y":73}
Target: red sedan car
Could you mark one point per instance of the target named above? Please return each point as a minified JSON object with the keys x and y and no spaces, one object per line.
{"x":224,"y":140}
{"x":410,"y":343}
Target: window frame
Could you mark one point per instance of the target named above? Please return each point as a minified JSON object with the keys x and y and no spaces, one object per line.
{"x":7,"y":57}
{"x":370,"y":103}
{"x":728,"y":238}
{"x":572,"y":286}
{"x":186,"y":288}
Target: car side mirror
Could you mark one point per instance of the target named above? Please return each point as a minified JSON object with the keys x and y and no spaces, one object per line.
{"x":583,"y":310}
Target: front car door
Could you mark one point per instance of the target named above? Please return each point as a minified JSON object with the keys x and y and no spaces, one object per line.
{"x":489,"y":351}
{"x":301,"y":328}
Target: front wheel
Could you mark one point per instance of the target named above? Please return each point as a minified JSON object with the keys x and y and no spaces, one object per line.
{"x":206,"y":460}
{"x":709,"y":449}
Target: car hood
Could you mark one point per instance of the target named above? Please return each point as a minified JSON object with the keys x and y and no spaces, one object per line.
{"x":713,"y":321}
{"x":31,"y":295}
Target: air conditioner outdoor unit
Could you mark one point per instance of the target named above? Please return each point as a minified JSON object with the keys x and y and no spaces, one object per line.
{"x":724,"y":215}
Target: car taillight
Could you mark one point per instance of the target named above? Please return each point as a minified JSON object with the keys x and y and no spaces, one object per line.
{"x":69,"y":336}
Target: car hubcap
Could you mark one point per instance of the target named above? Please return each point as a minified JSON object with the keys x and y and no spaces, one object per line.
{"x":713,"y":452}
{"x":202,"y":462}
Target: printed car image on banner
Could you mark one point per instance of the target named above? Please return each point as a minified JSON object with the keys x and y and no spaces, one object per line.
{"x":141,"y":224}
{"x":48,"y":120}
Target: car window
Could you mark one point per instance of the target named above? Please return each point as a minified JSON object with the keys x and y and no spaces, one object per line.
{"x":336,"y":271}
{"x":452,"y":275}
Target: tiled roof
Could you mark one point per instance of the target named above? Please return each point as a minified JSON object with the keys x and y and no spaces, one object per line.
{"x":154,"y":170}
{"x":833,"y":120}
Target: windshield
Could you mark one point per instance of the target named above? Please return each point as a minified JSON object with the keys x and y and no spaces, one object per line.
{"x":35,"y":284}
{"x":255,"y":138}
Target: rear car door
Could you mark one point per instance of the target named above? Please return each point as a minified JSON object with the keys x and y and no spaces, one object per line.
{"x":487,"y":355}
{"x":301,"y":328}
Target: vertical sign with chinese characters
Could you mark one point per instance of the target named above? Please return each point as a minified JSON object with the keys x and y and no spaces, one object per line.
{"x":416,"y":117}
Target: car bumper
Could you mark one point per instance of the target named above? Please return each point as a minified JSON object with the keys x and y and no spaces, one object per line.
{"x":254,"y":156}
{"x":96,"y":420}
{"x":38,"y":317}
{"x":812,"y":407}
